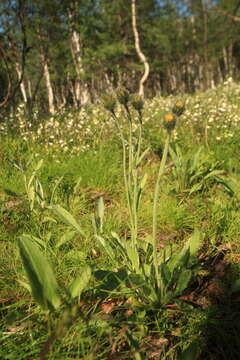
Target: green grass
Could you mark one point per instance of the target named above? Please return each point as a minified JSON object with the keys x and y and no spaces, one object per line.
{"x":116,"y":324}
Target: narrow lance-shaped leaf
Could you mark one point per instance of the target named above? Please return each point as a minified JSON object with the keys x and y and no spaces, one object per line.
{"x":40,"y":275}
{"x":100,"y":214}
{"x":67,"y":217}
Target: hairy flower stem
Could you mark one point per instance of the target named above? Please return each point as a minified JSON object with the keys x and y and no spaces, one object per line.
{"x":155,"y":203}
{"x":126,"y":182}
{"x":135,"y":180}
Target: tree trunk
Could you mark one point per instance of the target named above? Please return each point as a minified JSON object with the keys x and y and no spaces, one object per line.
{"x":47,"y":77}
{"x":22,"y":85}
{"x":138,"y":50}
{"x":81,"y":89}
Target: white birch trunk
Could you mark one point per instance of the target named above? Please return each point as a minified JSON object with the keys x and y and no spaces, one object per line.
{"x":138,"y":50}
{"x":47,"y":77}
{"x":22,"y":85}
{"x":81,"y":89}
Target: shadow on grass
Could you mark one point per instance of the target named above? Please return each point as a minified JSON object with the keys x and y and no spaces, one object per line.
{"x":221,"y":329}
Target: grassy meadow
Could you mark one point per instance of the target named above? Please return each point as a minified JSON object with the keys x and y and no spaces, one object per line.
{"x":120,"y":230}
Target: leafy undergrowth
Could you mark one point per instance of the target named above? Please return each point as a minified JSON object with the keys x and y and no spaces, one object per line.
{"x":113,"y":319}
{"x":202,"y":323}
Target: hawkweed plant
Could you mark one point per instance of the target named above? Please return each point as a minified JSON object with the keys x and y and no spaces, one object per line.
{"x":161,"y":272}
{"x":132,"y":158}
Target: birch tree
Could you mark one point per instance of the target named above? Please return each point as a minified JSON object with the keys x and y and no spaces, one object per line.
{"x":140,"y":54}
{"x":81,"y":90}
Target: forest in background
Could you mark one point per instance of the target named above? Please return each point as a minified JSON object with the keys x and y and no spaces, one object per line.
{"x":68,"y":53}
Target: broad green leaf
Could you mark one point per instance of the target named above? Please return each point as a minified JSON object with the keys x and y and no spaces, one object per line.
{"x":178,"y":260}
{"x":67,"y":217}
{"x":133,"y":256}
{"x":79,"y":284}
{"x":165,"y":274}
{"x":68,"y":236}
{"x":40,"y":275}
{"x":183,"y":281}
{"x":35,"y":239}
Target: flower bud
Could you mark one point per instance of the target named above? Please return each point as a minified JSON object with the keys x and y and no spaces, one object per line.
{"x":123,"y":96}
{"x":169,"y":122}
{"x":137,"y":102}
{"x":109,"y":102}
{"x":178,"y":108}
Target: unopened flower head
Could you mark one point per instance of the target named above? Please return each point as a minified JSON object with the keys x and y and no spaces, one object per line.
{"x":169,"y":122}
{"x":137,"y":102}
{"x":178,"y":108}
{"x":123,"y":96}
{"x":109,"y":102}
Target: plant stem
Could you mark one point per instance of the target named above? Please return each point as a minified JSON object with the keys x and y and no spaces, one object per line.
{"x":155,"y":203}
{"x":126,"y":182}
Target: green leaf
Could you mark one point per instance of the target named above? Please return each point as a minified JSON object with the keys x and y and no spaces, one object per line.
{"x":57,"y":183}
{"x":107,"y":248}
{"x":49,"y":219}
{"x":213,"y":174}
{"x":67,"y":218}
{"x":25,"y":285}
{"x":178,"y":260}
{"x":77,"y":185}
{"x":35,"y":239}
{"x":79,"y":284}
{"x":140,"y":189}
{"x":99,"y":215}
{"x":100,"y":208}
{"x":165,"y":274}
{"x":39,"y":165}
{"x":183,"y":281}
{"x":68,"y":236}
{"x":40,"y":275}
{"x":142,"y":156}
{"x":194,"y":243}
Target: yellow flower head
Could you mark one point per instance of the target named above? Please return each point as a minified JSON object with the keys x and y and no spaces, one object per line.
{"x":178,"y":108}
{"x":169,"y":122}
